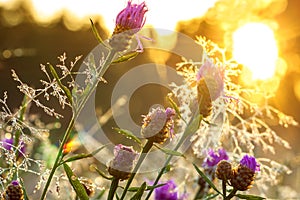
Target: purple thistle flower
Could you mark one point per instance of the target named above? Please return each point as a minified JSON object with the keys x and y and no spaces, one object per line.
{"x":169,"y":191}
{"x":131,"y":18}
{"x":213,"y":76}
{"x":8,"y":144}
{"x":124,"y":158}
{"x":15,"y":182}
{"x":250,"y":162}
{"x":213,"y":158}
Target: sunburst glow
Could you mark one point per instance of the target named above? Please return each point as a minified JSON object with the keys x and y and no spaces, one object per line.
{"x":254,"y":46}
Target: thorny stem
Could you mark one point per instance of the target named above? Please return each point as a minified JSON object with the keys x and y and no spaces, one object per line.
{"x":182,"y":139}
{"x":76,"y":113}
{"x":145,"y":150}
{"x":113,"y":188}
{"x":232,"y":193}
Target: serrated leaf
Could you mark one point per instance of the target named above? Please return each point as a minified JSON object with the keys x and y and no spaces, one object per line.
{"x":83,"y":155}
{"x":175,"y":107}
{"x":134,"y":189}
{"x":207,"y":180}
{"x":64,"y":88}
{"x":126,"y":57}
{"x":193,"y":125}
{"x":138,"y":195}
{"x":169,"y":151}
{"x":77,"y":186}
{"x":249,"y":197}
{"x":128,"y":134}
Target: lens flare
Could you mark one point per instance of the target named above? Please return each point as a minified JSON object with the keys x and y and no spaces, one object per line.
{"x":254,"y":46}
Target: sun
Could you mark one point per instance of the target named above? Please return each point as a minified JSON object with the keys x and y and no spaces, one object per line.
{"x":255,"y":47}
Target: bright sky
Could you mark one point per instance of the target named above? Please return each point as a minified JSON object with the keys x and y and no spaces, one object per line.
{"x":162,"y":14}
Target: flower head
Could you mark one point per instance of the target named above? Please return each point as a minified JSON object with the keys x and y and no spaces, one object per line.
{"x":213,"y":158}
{"x":158,"y":124}
{"x":13,"y":191}
{"x":169,"y":191}
{"x":213,"y":77}
{"x":250,"y":162}
{"x":8,"y":144}
{"x":123,"y":162}
{"x":131,"y":18}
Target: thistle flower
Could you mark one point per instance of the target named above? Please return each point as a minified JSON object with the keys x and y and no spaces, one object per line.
{"x":244,"y":174}
{"x":169,"y":191}
{"x":122,"y":164}
{"x":158,"y":125}
{"x":210,"y":85}
{"x":213,"y":158}
{"x":13,"y":192}
{"x":129,"y":21}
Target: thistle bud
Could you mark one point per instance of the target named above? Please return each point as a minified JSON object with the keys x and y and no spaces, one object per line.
{"x":122,"y":164}
{"x":210,"y":85}
{"x":13,"y":192}
{"x":224,"y":170}
{"x":158,"y":125}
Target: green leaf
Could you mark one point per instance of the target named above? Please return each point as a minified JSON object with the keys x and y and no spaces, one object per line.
{"x":126,"y":57}
{"x":103,"y":174}
{"x":211,"y":196}
{"x":175,"y":107}
{"x":193,"y":125}
{"x":77,"y":186}
{"x":207,"y":180}
{"x":83,"y":155}
{"x":169,"y":151}
{"x":134,"y":189}
{"x":64,"y":88}
{"x":249,"y":197}
{"x":100,"y":195}
{"x":138,"y":195}
{"x":128,"y":134}
{"x":96,"y":33}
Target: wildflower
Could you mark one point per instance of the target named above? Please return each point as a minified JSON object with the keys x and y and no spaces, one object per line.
{"x":158,"y":125}
{"x":122,"y":164}
{"x":213,"y":158}
{"x":8,"y":144}
{"x":210,"y":85}
{"x":169,"y":191}
{"x":129,"y":21}
{"x":243,"y":175}
{"x":13,"y":191}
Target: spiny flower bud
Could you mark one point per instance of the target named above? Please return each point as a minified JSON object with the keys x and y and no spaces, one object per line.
{"x":122,"y":164}
{"x":210,"y":85}
{"x":243,"y":175}
{"x":129,"y":21}
{"x":13,"y":192}
{"x":224,"y":170}
{"x":158,"y":125}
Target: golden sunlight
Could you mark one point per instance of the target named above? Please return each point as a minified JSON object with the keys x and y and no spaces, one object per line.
{"x":254,"y":46}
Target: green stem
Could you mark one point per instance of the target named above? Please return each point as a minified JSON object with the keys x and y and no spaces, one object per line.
{"x":224,"y":188}
{"x":182,"y":139}
{"x":113,"y":188}
{"x":76,"y":113}
{"x":143,"y":155}
{"x":232,"y":193}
